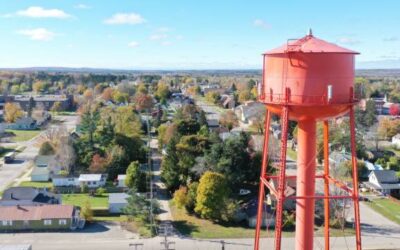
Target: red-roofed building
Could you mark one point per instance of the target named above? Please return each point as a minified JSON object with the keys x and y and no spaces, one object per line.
{"x":44,"y":217}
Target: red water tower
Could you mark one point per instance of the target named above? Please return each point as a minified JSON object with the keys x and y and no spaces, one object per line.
{"x":307,"y":80}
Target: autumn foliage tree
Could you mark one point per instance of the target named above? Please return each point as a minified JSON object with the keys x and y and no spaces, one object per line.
{"x":12,"y":112}
{"x":98,"y":164}
{"x":229,"y":120}
{"x":212,"y":194}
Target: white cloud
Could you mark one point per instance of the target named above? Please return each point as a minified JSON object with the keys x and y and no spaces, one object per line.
{"x":39,"y":34}
{"x":348,"y":40}
{"x":133,"y":44}
{"x":125,"y":18}
{"x":157,"y":37}
{"x":166,"y":43}
{"x":39,"y":12}
{"x":261,"y":23}
{"x":82,"y":6}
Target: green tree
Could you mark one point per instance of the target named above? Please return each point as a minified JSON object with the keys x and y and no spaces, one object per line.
{"x":370,"y":113}
{"x":57,"y":107}
{"x":46,"y":149}
{"x":212,"y":194}
{"x":191,"y":197}
{"x":170,"y":167}
{"x":213,"y":97}
{"x":135,"y":178}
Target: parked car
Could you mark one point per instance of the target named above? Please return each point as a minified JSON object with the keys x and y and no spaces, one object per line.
{"x":244,"y":191}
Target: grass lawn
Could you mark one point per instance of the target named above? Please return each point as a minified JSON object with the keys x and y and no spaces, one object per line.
{"x":292,"y":154}
{"x":23,"y":135}
{"x":36,"y":184}
{"x":195,"y":227}
{"x":80,"y":200}
{"x":387,"y":208}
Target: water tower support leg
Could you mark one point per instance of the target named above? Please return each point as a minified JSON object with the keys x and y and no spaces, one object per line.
{"x":281,"y":179}
{"x":355,"y":179}
{"x":326,"y":184}
{"x":263,"y":174}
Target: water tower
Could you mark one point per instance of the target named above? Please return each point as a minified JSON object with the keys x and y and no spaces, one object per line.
{"x":307,"y":80}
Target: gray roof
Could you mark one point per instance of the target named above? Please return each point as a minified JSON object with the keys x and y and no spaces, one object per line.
{"x":385,"y":176}
{"x":40,"y":171}
{"x":20,"y":193}
{"x":90,"y":177}
{"x":117,"y":198}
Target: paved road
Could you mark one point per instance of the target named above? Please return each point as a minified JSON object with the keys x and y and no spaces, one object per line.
{"x":10,"y":172}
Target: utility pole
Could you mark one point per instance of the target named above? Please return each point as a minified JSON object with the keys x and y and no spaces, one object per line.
{"x":165,"y":230}
{"x":136,"y":245}
{"x":149,"y":162}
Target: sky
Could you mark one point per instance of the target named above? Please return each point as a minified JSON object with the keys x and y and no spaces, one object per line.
{"x":184,"y":34}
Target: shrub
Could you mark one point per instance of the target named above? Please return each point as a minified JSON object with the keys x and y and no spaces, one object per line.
{"x":100,"y":191}
{"x":46,"y":149}
{"x":87,"y":212}
{"x":180,"y":197}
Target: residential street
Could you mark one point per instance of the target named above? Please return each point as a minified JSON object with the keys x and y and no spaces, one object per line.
{"x":10,"y":172}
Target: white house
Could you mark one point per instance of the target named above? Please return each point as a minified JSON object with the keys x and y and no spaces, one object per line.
{"x":384,"y":181}
{"x":396,"y":141}
{"x":116,"y":202}
{"x":92,"y":180}
{"x":65,"y":181}
{"x":41,"y":170}
{"x":121,"y":180}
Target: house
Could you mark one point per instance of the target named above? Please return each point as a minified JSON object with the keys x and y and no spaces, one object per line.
{"x":40,"y":174}
{"x":396,"y":141}
{"x":249,"y":211}
{"x":45,"y":217}
{"x":23,"y":123}
{"x":337,"y":158}
{"x":42,"y":169}
{"x":92,"y":180}
{"x":28,"y":196}
{"x":121,"y":180}
{"x":65,"y":181}
{"x":250,"y":112}
{"x":227,"y":101}
{"x":384,"y":181}
{"x":116,"y":202}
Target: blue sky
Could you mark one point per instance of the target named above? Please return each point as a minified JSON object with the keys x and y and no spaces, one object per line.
{"x":183,"y":34}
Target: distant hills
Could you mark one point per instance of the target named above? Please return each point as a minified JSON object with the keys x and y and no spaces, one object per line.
{"x":359,"y":72}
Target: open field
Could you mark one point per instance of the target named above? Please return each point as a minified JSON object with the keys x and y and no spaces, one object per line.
{"x":23,"y":135}
{"x":80,"y":200}
{"x":388,"y":208}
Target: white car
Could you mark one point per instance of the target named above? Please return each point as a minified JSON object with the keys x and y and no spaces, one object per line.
{"x":244,"y":192}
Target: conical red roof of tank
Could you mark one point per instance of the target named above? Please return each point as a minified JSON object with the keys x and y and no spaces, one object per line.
{"x":310,"y":44}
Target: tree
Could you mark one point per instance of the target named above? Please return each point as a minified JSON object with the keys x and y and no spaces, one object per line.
{"x":245,"y":95}
{"x":213,"y":97}
{"x":12,"y":112}
{"x":135,"y":178}
{"x":370,"y":116}
{"x":229,"y":119}
{"x":388,"y":128}
{"x":180,"y":197}
{"x":138,"y":207}
{"x":191,"y":196}
{"x":162,"y":92}
{"x":98,"y":165}
{"x":57,"y":107}
{"x":87,"y":212}
{"x":119,"y":97}
{"x":170,"y":167}
{"x":15,"y":89}
{"x":143,"y":101}
{"x":46,"y":149}
{"x":126,"y":121}
{"x":212,"y":194}
{"x":107,"y":94}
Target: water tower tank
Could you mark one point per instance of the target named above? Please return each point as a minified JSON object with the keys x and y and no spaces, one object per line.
{"x":314,"y":72}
